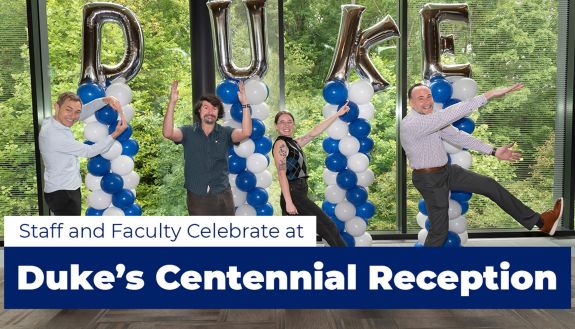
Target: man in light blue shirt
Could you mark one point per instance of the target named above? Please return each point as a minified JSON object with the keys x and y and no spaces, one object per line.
{"x":60,"y":151}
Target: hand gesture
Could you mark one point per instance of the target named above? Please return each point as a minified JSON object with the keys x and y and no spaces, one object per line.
{"x":505,"y":153}
{"x":174,"y":94}
{"x":120,"y":126}
{"x":242,"y":93}
{"x":503,"y":91}
{"x":113,"y":102}
{"x":291,"y":209}
{"x":343,"y":110}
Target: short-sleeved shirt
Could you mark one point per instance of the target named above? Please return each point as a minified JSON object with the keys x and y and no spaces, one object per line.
{"x":206,"y":158}
{"x":295,"y":160}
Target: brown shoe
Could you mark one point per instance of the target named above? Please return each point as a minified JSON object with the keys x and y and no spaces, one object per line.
{"x":551,"y":217}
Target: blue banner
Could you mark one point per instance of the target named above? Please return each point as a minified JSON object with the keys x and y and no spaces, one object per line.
{"x":349,"y":278}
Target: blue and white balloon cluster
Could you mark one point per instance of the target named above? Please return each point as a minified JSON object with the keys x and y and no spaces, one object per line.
{"x":111,"y":178}
{"x":347,"y":175}
{"x":446,"y":92}
{"x":248,"y":161}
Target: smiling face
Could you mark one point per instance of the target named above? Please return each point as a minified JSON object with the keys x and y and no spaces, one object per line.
{"x":285,"y":125}
{"x":69,"y":112}
{"x":208,"y":113}
{"x":421,"y":100}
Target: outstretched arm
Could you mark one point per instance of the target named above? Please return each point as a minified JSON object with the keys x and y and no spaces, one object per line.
{"x":500,"y":92}
{"x":168,"y":130}
{"x":239,"y":135}
{"x":280,"y":153}
{"x":322,"y":126}
{"x":507,"y":154}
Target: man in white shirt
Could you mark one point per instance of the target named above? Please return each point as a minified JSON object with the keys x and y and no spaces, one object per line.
{"x":60,"y":152}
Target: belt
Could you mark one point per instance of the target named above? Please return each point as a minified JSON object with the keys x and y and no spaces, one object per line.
{"x":430,"y":170}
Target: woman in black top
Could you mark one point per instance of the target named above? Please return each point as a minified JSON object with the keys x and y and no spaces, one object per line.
{"x":292,"y":173}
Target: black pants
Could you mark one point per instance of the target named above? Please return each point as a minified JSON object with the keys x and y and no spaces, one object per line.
{"x":434,"y":187}
{"x":65,"y":202}
{"x":325,"y":227}
{"x":221,"y":204}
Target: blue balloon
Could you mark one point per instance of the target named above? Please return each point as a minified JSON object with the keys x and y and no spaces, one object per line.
{"x":106,"y":115}
{"x":133,"y":210}
{"x":340,"y":224}
{"x":257,"y":197}
{"x":258,"y":129}
{"x":231,"y":151}
{"x":124,"y":136}
{"x":365,"y":145}
{"x":346,"y":179}
{"x":228,"y":90}
{"x":359,"y":128}
{"x":336,"y":162}
{"x":421,"y":206}
{"x":427,"y":224}
{"x":328,"y":208}
{"x":263,"y":145}
{"x":465,"y":124}
{"x":330,"y":145}
{"x":348,"y":238}
{"x":123,"y":199}
{"x":112,"y":183}
{"x":89,"y":91}
{"x":352,"y":114}
{"x":335,"y":92}
{"x":366,"y":210}
{"x":441,"y":90}
{"x":237,"y":111}
{"x":357,"y":195}
{"x":265,"y":210}
{"x":130,"y":147}
{"x":98,"y":166}
{"x":451,"y":101}
{"x":453,"y":240}
{"x":436,"y":76}
{"x":94,"y":212}
{"x":236,"y":164}
{"x":461,"y":196}
{"x":464,"y":206}
{"x":246,"y":181}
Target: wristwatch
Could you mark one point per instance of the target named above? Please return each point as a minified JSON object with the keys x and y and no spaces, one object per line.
{"x":494,"y":150}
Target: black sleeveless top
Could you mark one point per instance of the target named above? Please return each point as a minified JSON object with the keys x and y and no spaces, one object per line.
{"x":295,"y":160}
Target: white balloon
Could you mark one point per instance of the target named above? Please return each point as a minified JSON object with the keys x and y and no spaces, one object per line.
{"x":462,"y":159}
{"x":334,"y":194}
{"x":365,"y":240}
{"x":358,"y":162}
{"x":345,"y":211}
{"x":256,"y":91}
{"x":454,"y":78}
{"x":329,"y":177}
{"x":464,"y":89}
{"x":232,"y":179}
{"x":121,"y":92}
{"x":338,"y":129}
{"x":114,"y":151}
{"x":329,"y":110}
{"x":454,"y":209}
{"x":113,"y":211}
{"x":99,"y":199}
{"x":95,"y":132}
{"x":122,"y":165}
{"x":361,"y":92}
{"x":239,"y":196}
{"x":365,"y":178}
{"x":260,"y":111}
{"x":129,"y":112}
{"x":348,"y":145}
{"x":264,"y":179}
{"x":256,"y":163}
{"x":366,"y":111}
{"x":421,"y":218}
{"x":464,"y":237}
{"x":422,"y":235}
{"x":451,"y":148}
{"x":245,"y":148}
{"x":233,"y":123}
{"x":93,"y":182}
{"x":90,"y":119}
{"x":355,"y":226}
{"x":246,"y":210}
{"x":437,"y":107}
{"x":131,"y":180}
{"x":458,"y":225}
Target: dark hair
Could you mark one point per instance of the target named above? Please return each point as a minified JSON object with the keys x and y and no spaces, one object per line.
{"x":280,"y":113}
{"x":409,"y":92}
{"x":212,"y":99}
{"x":68,"y":95}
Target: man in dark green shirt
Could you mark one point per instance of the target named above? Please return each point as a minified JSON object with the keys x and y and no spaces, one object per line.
{"x":206,"y":146}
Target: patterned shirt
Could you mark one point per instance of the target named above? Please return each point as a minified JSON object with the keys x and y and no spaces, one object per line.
{"x":422,"y":135}
{"x":295,"y":160}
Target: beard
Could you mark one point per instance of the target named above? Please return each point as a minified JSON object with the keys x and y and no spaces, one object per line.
{"x":209,"y":119}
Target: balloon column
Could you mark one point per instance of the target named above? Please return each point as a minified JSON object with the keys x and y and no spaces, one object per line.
{"x":347,"y":175}
{"x":248,"y":161}
{"x":447,"y":92}
{"x":110,"y":178}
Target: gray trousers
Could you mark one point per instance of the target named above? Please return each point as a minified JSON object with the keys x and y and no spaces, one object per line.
{"x":434,"y":187}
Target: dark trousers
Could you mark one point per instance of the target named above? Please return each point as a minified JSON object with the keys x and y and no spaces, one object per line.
{"x":325,"y":227}
{"x":221,"y":204}
{"x":65,"y":202}
{"x":434,"y":187}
